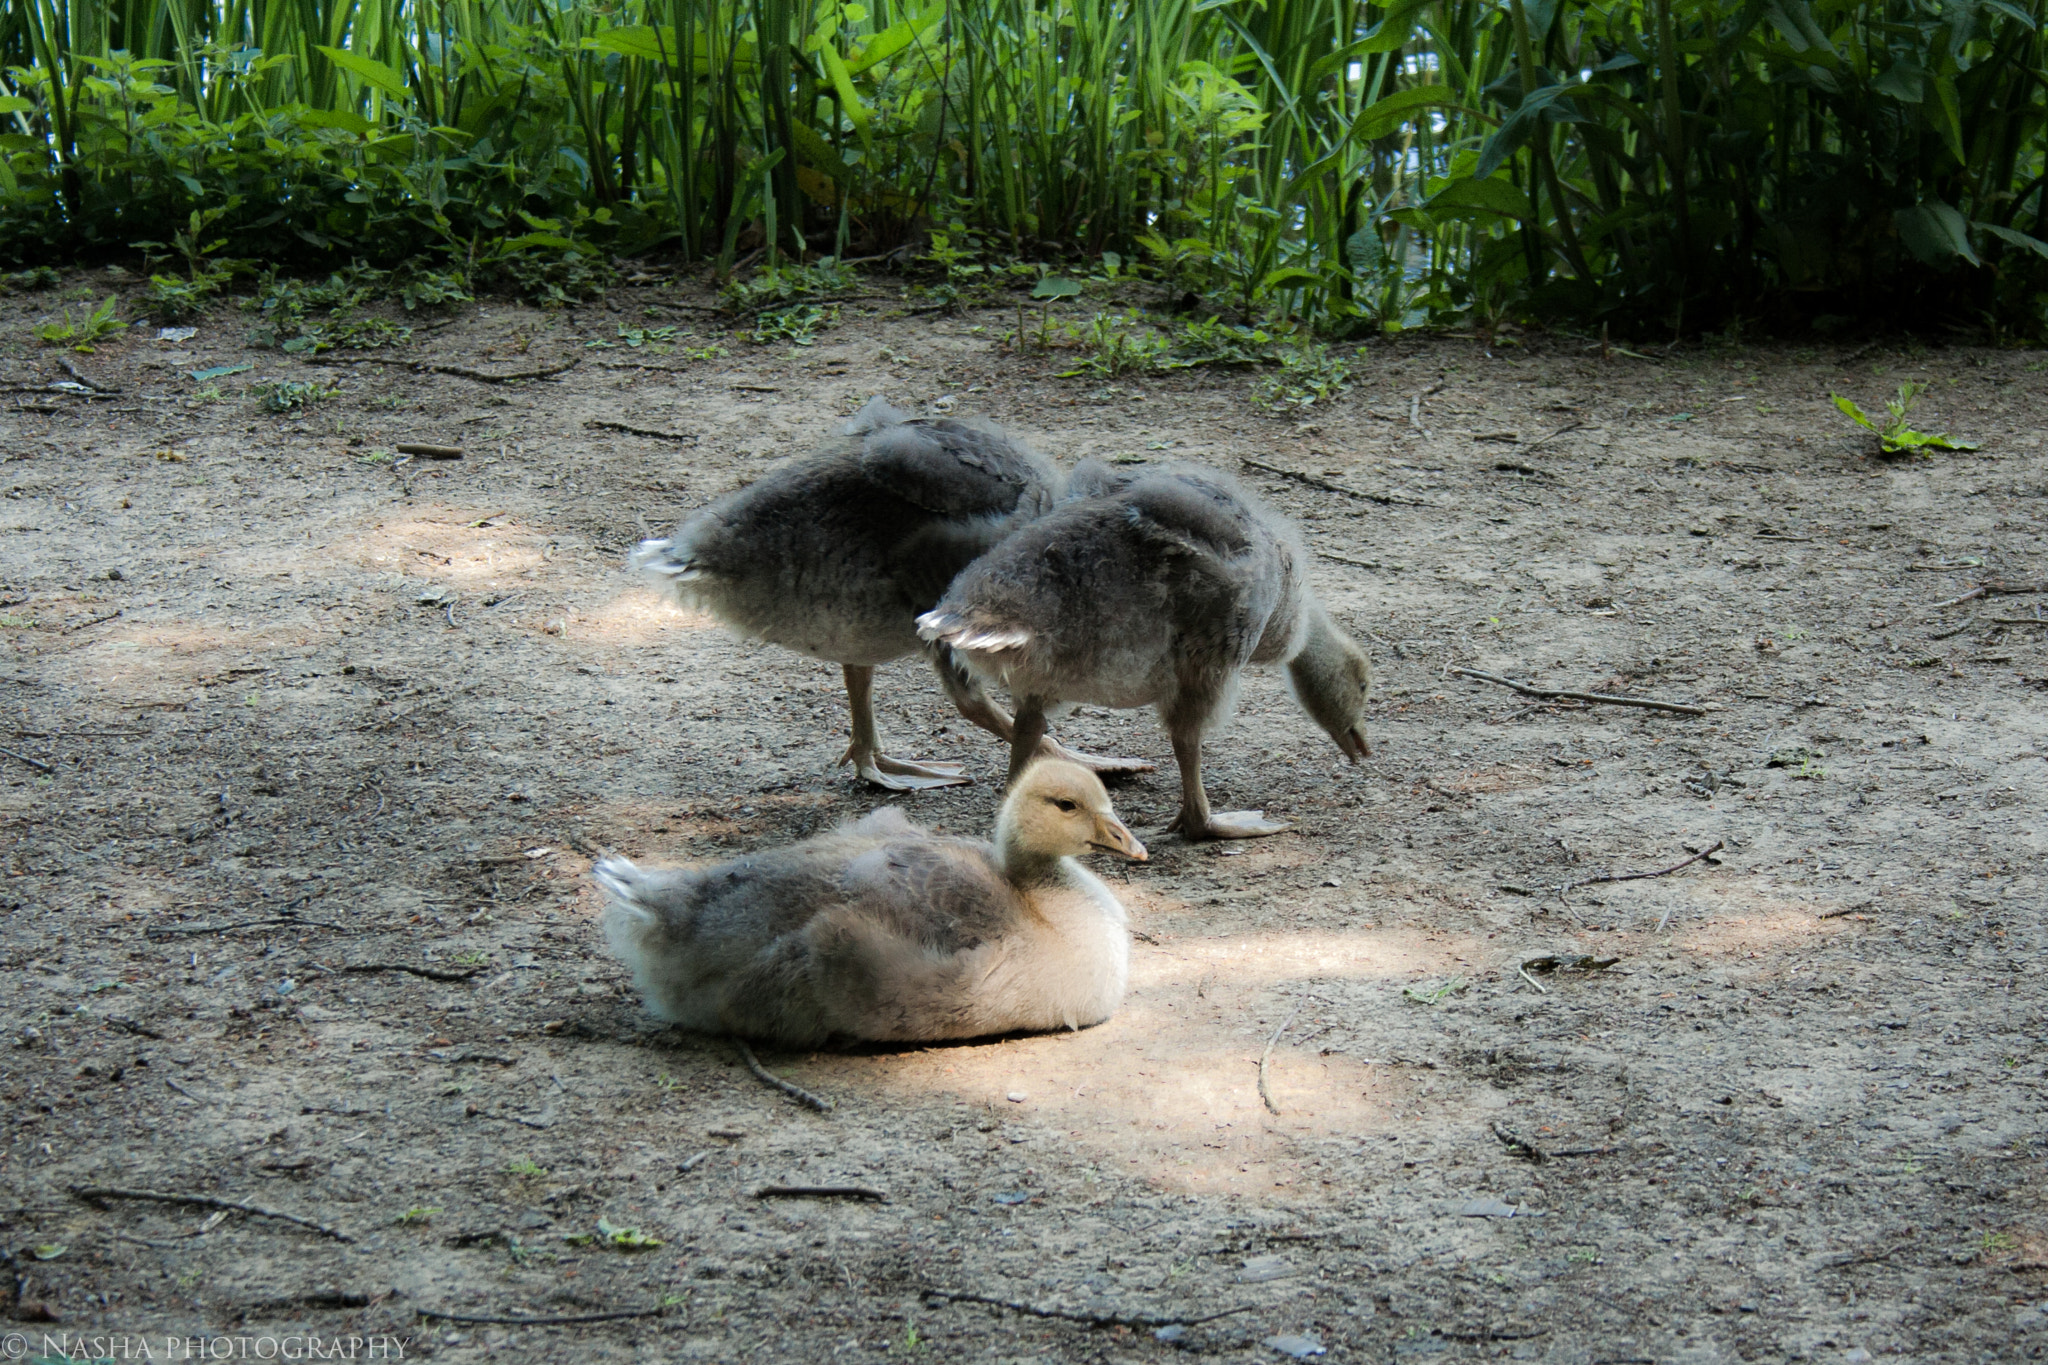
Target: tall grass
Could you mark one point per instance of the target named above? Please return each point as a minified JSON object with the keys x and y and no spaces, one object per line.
{"x":1663,"y":163}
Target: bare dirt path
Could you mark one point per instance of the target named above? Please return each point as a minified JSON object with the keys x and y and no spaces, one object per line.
{"x":309,"y":755}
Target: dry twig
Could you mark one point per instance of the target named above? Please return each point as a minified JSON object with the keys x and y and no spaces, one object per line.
{"x":1556,"y":694}
{"x":1267,"y":1056}
{"x":820,"y":1192}
{"x":35,"y":763}
{"x":619,"y":1316}
{"x":428,"y":452}
{"x":1090,"y":1319}
{"x":464,"y":372}
{"x":430,"y":973}
{"x":789,"y":1088}
{"x":631,"y":430}
{"x":1384,"y":499}
{"x":207,"y":1201}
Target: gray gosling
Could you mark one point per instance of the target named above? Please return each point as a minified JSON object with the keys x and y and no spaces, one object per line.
{"x":884,"y":931}
{"x":834,"y":554}
{"x":1154,"y":588}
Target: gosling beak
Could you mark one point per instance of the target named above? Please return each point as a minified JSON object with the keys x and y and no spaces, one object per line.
{"x":1353,"y":742}
{"x":1111,"y":836}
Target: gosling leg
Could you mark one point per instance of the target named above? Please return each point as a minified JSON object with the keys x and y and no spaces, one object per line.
{"x":975,"y":705}
{"x":1027,"y":738}
{"x":865,"y":753}
{"x":1196,"y":820}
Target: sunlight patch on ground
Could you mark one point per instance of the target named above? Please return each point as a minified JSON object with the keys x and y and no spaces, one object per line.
{"x":448,"y":545}
{"x":1167,"y":1089}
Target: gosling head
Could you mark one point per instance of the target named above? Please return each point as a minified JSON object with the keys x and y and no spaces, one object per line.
{"x":1060,"y":810}
{"x":1332,"y":678}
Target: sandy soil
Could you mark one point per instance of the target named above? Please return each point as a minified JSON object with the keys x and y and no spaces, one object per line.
{"x":309,"y":756}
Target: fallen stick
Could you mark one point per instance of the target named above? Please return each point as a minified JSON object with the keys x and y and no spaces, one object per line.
{"x":1991,"y":588}
{"x":35,"y":763}
{"x":619,"y":1316}
{"x":789,"y":1088}
{"x":91,"y":621}
{"x":428,"y":452}
{"x":1267,"y":1056}
{"x":1606,"y":877}
{"x":430,"y":973}
{"x":631,"y":430}
{"x":166,"y":930}
{"x":1569,"y":426}
{"x":1514,"y":1142}
{"x":1555,"y":694}
{"x":1091,"y":1319}
{"x":2014,"y":620}
{"x":1384,"y":499}
{"x":207,"y":1201}
{"x":481,"y":377}
{"x":820,"y":1192}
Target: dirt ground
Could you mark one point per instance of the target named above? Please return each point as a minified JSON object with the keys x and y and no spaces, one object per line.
{"x":310,"y":753}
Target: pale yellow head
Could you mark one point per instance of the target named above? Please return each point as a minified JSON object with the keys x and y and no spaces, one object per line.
{"x":1060,"y":810}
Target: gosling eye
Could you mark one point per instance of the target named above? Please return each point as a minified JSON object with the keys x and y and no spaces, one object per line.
{"x":1063,"y":803}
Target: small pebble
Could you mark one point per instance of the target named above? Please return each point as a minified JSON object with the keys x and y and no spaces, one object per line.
{"x":1016,"y":1097}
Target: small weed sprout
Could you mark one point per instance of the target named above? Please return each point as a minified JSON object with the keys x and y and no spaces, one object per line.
{"x":416,"y":1216}
{"x":283,"y":395}
{"x":1893,"y":435}
{"x":526,"y":1168}
{"x":80,"y":334}
{"x":1308,"y":374}
{"x":1428,"y":994}
{"x":798,"y":325}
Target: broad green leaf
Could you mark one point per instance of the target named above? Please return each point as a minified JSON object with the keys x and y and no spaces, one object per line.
{"x":895,"y":38}
{"x":842,"y":81}
{"x":1794,"y":19}
{"x":1947,"y":115}
{"x":1289,"y":277}
{"x":1906,"y":82}
{"x":1515,"y":130}
{"x":1365,"y":251}
{"x":2014,"y":237}
{"x":15,"y":104}
{"x":1854,"y":413}
{"x":1053,"y":287}
{"x":1483,"y":193}
{"x":1935,"y":233}
{"x":645,"y":41}
{"x":368,"y":69}
{"x":348,"y":120}
{"x":1384,"y":116}
{"x":1391,"y":32}
{"x":2012,"y":11}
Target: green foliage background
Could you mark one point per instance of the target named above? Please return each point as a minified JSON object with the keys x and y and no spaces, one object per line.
{"x":1664,"y":164}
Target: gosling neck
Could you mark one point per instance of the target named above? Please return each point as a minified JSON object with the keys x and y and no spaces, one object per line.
{"x":1023,"y":865}
{"x":1318,"y":666}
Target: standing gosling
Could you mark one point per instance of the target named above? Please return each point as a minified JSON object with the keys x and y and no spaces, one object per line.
{"x":834,"y":555}
{"x":1154,"y":589}
{"x":884,"y":931}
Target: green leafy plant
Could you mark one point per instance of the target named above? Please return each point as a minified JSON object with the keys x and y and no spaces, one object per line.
{"x":1893,"y":434}
{"x":526,"y":1168}
{"x":626,"y":1239}
{"x":798,"y":325}
{"x":416,"y":1216}
{"x":1116,"y":344}
{"x":1430,"y":994}
{"x":1309,"y":373}
{"x":35,"y":278}
{"x":80,"y":333}
{"x":284,"y":395}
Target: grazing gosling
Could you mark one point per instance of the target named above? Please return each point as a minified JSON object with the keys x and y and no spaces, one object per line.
{"x":886,"y":932}
{"x":1154,"y":588}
